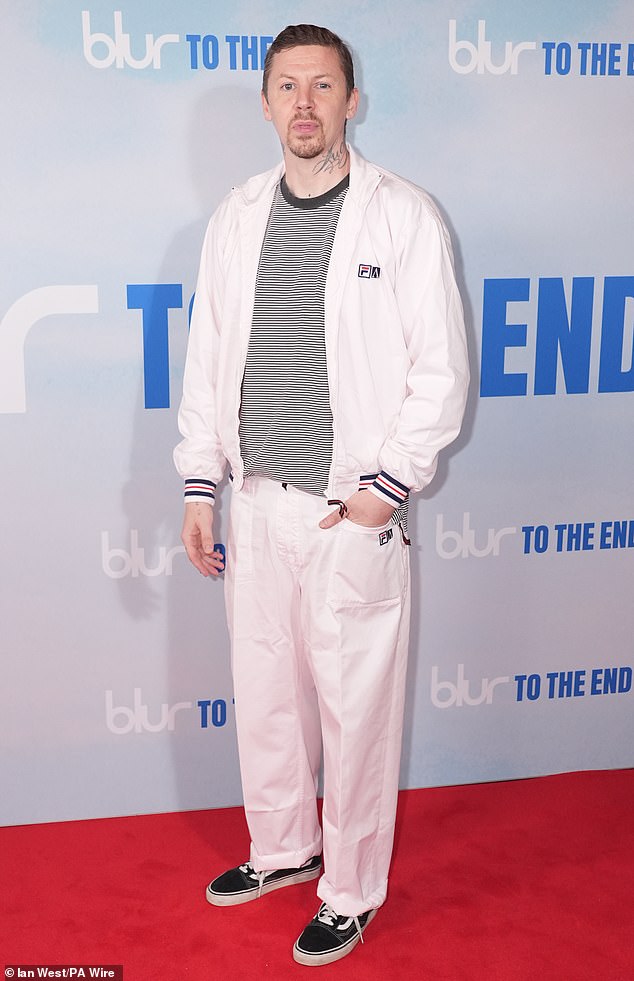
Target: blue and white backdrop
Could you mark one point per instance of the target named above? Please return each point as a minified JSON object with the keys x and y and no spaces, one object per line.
{"x":123,"y":126}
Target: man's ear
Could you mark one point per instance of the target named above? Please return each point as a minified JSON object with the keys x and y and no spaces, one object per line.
{"x":353,"y":104}
{"x":265,"y":107}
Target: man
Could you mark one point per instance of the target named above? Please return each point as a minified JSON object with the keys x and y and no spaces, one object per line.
{"x":327,"y":366}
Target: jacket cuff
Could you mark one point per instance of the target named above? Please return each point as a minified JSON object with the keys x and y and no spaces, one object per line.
{"x":388,"y":489}
{"x":197,"y":489}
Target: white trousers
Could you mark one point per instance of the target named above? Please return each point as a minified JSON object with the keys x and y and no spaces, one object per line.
{"x":319,"y":624}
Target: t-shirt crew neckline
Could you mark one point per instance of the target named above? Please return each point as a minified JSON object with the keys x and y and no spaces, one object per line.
{"x":308,"y":204}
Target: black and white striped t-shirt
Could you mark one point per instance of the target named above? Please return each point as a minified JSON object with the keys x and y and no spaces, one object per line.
{"x":285,"y":418}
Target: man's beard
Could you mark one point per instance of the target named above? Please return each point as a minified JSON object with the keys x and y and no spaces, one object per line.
{"x":306,"y":147}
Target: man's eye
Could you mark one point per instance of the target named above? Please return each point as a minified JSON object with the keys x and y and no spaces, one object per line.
{"x":287,"y":86}
{"x":323,"y":85}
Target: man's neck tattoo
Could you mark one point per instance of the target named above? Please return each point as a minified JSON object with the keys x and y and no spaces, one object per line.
{"x":332,"y":160}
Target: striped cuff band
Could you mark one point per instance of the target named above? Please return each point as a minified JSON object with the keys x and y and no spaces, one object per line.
{"x":200,"y":490}
{"x":366,"y":480}
{"x":389,"y":489}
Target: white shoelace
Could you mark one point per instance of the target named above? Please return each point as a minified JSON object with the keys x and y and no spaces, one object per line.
{"x":258,"y":876}
{"x":328,"y":916}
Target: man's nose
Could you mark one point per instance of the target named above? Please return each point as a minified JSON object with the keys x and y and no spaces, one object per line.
{"x":304,"y":97}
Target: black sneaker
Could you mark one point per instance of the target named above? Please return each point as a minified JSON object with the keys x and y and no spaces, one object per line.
{"x":329,"y":937}
{"x":243,"y":883}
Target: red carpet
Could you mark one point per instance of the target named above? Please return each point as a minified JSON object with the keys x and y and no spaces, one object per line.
{"x":529,"y":880}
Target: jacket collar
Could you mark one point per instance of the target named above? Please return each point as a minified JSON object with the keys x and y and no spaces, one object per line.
{"x":364,"y":178}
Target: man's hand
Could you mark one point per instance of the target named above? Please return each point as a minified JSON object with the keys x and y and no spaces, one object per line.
{"x":364,"y":508}
{"x":197,"y":537}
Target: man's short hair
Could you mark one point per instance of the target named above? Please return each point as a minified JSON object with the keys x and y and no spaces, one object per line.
{"x":296,"y":35}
